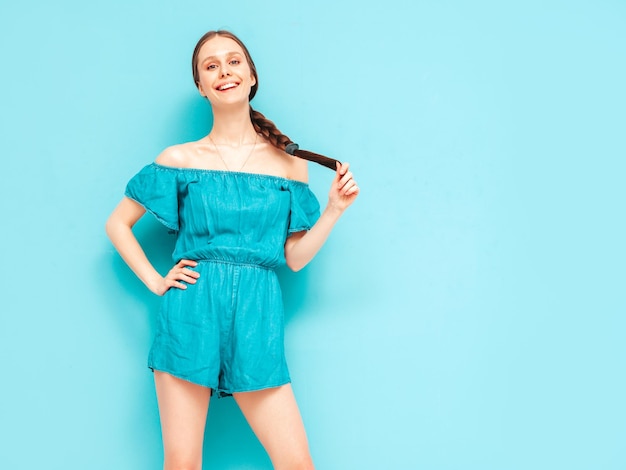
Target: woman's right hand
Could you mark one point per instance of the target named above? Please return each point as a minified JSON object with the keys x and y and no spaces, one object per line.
{"x":180,"y":272}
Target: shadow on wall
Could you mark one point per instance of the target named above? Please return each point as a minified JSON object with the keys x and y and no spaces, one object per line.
{"x":191,"y":121}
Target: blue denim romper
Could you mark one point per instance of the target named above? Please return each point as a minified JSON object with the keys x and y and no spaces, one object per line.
{"x":225,"y":331}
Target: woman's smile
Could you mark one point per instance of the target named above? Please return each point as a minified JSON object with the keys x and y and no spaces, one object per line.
{"x":227,"y":86}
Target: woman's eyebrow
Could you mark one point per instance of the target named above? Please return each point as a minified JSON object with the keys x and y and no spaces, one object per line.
{"x":225,"y":54}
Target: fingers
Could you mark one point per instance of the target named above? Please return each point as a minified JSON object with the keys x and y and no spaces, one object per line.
{"x":350,"y":188}
{"x":179,"y":285}
{"x":342,"y":169}
{"x":187,"y":262}
{"x":346,"y":185}
{"x":180,"y":275}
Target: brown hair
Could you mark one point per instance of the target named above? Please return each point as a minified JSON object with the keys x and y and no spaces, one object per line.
{"x":261,"y":124}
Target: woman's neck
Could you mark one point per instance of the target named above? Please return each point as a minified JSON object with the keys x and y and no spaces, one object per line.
{"x":232,"y":127}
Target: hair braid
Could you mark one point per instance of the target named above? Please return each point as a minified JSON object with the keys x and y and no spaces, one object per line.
{"x":268,"y":129}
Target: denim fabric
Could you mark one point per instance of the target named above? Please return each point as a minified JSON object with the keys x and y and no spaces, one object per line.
{"x":226,"y":331}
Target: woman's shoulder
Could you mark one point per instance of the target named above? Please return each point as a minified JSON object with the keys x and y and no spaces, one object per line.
{"x":299,"y":169}
{"x":291,"y":167}
{"x":183,"y":155}
{"x":175,"y":155}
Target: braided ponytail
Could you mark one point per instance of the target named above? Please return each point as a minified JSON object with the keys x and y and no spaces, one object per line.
{"x":261,"y":124}
{"x":268,"y":129}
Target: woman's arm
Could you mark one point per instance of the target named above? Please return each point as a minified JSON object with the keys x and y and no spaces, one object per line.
{"x":301,"y":247}
{"x":119,"y":229}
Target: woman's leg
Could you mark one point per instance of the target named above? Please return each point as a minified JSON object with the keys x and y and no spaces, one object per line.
{"x":274,"y":417}
{"x":183,"y":408}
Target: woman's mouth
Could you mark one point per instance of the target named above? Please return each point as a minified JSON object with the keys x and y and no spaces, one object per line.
{"x":227,"y":86}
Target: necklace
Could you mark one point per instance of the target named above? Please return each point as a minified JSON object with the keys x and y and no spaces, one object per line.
{"x":219,"y":154}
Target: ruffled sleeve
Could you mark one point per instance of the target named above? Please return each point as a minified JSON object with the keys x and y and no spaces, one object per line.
{"x":305,"y":209}
{"x":156,"y":189}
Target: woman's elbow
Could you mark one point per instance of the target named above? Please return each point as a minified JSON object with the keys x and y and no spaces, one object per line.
{"x":294,"y":266}
{"x":108,"y":226}
{"x":295,"y":263}
{"x":113,"y":225}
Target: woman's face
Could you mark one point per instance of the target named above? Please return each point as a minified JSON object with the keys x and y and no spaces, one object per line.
{"x":224,"y":74}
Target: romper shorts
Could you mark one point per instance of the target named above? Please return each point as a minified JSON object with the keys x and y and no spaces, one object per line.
{"x":226,"y":331}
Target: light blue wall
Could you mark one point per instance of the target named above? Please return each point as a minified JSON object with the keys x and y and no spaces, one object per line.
{"x":468,"y":312}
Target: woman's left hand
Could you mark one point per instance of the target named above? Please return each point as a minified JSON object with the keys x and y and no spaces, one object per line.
{"x":344,"y":189}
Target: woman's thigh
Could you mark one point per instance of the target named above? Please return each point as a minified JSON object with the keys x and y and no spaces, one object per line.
{"x":274,"y":417}
{"x":183,"y":408}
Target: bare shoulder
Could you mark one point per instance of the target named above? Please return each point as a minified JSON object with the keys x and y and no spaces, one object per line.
{"x":298,"y":169}
{"x":293,"y":168}
{"x":273,"y":161}
{"x":176,"y":155}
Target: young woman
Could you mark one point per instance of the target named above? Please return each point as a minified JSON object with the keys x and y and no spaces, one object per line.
{"x":241,"y":206}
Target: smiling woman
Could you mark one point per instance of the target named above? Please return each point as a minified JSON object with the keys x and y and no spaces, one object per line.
{"x":241,"y":207}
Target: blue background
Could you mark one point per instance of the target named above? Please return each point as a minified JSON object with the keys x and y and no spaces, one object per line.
{"x":468,"y":310}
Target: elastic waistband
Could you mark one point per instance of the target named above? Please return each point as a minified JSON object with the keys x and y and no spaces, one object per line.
{"x":236,"y":263}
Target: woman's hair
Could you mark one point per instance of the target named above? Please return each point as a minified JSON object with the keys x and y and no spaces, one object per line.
{"x":261,"y":124}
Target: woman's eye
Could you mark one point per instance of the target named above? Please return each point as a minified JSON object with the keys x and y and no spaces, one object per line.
{"x":234,"y":62}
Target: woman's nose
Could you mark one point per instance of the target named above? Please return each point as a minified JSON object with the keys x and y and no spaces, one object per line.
{"x":225,"y":71}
